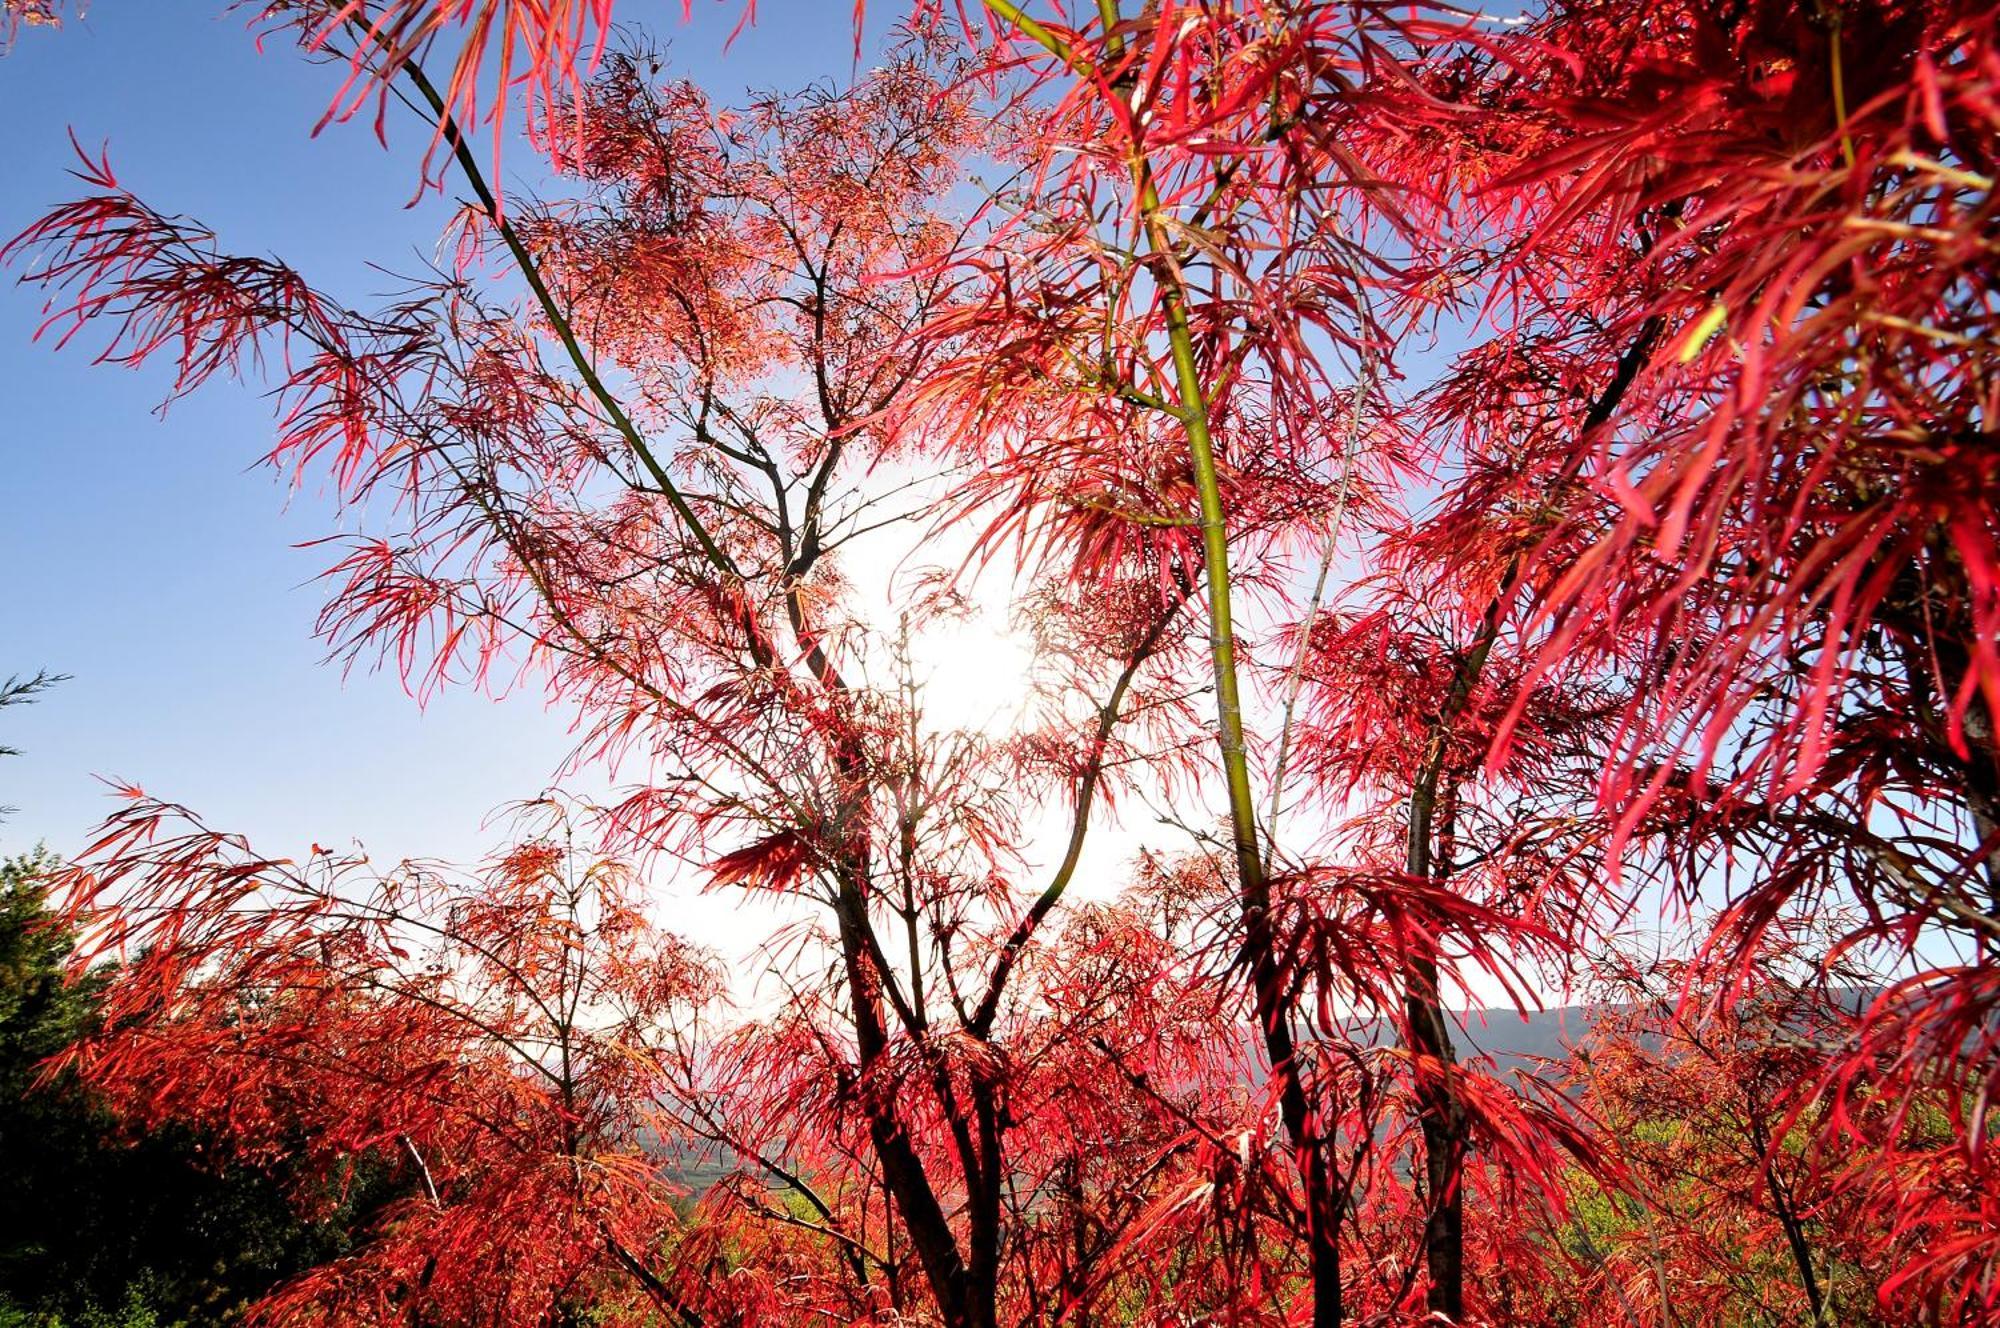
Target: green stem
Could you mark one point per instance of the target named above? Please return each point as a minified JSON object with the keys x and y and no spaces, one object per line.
{"x":1193,"y":414}
{"x":1253,"y":886}
{"x":1215,"y":560}
{"x":1839,"y":89}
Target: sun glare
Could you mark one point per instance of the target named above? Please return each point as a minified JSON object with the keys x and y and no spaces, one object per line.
{"x":975,"y":673}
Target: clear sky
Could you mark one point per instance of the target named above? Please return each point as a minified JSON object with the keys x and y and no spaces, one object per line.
{"x":148,"y":557}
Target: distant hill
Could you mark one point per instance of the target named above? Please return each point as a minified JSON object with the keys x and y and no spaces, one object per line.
{"x":1510,"y":1037}
{"x":1514,"y":1040}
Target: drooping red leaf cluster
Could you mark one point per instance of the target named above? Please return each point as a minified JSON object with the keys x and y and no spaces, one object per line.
{"x":1490,"y":487}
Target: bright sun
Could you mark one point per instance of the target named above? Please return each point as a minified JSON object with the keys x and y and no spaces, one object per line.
{"x":975,"y":672}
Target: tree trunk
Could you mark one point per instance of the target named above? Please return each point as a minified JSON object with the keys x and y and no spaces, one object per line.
{"x":1308,"y":1139}
{"x":1428,"y":1038}
{"x":1443,"y":1123}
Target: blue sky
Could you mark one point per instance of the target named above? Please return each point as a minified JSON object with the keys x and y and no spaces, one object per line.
{"x":147,"y":556}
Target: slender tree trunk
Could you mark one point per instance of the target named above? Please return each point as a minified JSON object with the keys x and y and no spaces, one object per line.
{"x":1795,"y":1238}
{"x":1788,"y":1219}
{"x":1302,"y":1125}
{"x":1267,"y":976}
{"x":1428,"y":1038}
{"x":960,"y":1302}
{"x":1428,"y":1034}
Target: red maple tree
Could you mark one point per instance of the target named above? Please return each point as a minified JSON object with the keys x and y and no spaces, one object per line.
{"x":1677,"y":583}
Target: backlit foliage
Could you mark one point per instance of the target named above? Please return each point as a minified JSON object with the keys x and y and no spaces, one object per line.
{"x":1667,"y":591}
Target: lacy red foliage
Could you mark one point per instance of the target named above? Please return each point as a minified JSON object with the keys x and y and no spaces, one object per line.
{"x":1673,"y":594}
{"x":1775,"y":219}
{"x":495,"y":1040}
